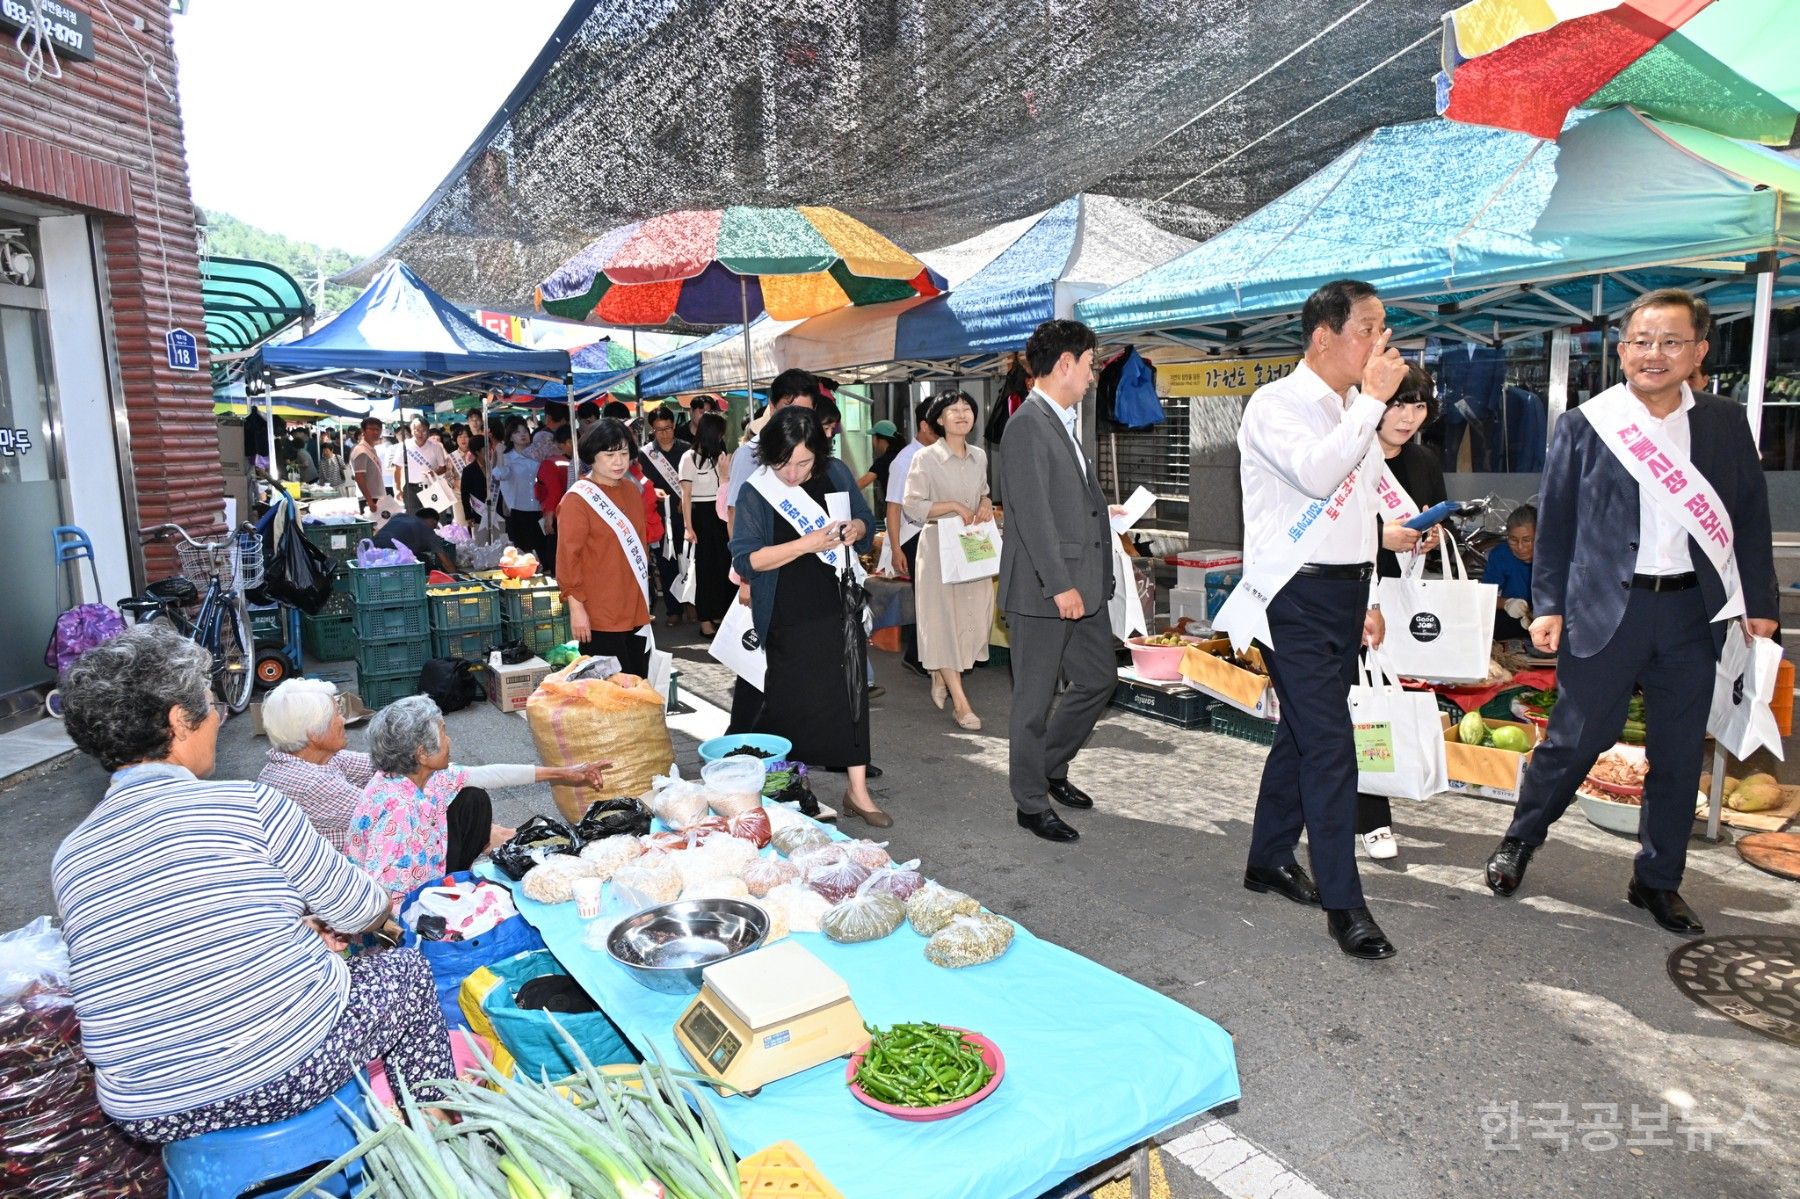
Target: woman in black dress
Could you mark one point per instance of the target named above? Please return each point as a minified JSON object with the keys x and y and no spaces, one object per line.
{"x":795,"y":604}
{"x":704,"y":470}
{"x":1421,"y":475}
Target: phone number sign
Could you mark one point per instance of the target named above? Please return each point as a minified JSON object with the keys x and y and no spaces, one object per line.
{"x":68,"y":28}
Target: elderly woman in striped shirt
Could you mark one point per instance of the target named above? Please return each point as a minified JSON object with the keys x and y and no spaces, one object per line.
{"x":204,"y":920}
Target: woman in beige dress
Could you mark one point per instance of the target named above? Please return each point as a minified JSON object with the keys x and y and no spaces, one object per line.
{"x":949,"y":478}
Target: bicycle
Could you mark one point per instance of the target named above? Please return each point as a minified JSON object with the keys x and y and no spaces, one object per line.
{"x":217,"y":573}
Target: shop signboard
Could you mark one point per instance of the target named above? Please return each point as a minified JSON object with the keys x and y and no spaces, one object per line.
{"x":501,"y":324}
{"x":1220,"y":376}
{"x":69,"y":29}
{"x":184,"y":349}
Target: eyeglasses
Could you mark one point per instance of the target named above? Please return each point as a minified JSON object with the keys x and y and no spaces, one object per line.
{"x":219,"y":709}
{"x":1668,"y":345}
{"x":1520,"y":538}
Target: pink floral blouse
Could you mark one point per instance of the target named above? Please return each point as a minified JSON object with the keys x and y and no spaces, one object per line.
{"x":397,"y":831}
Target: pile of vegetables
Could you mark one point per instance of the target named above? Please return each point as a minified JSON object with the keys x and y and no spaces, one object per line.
{"x":1473,"y":730}
{"x":644,"y":1135}
{"x":1757,"y":793}
{"x":921,"y":1065}
{"x":1633,"y":732}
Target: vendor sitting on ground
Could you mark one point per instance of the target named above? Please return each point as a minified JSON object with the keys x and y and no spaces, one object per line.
{"x":1509,"y":566}
{"x":418,"y":533}
{"x":420,"y":817}
{"x":208,"y":997}
{"x":308,"y":761}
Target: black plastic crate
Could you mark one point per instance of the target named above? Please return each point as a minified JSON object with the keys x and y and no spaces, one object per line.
{"x":1245,"y":727}
{"x":1183,"y":707}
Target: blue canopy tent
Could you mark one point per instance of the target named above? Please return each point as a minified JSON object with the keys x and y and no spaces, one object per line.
{"x":1002,"y":284}
{"x":1484,"y":235}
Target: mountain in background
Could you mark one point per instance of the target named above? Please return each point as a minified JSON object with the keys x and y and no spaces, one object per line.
{"x":310,"y":264}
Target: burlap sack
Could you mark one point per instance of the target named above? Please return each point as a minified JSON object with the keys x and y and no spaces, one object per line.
{"x":585,"y":720}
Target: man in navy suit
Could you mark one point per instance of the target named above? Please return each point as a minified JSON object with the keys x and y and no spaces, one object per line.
{"x":1627,"y":596}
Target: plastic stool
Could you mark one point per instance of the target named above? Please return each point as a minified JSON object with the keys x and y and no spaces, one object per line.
{"x":268,"y":1159}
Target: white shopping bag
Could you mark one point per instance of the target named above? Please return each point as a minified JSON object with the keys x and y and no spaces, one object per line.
{"x":1743,"y":685}
{"x":662,"y":669}
{"x":1125,"y":610}
{"x":1440,"y":630}
{"x":967,"y":552}
{"x":738,"y":646}
{"x":1399,"y":740}
{"x":683,"y":588}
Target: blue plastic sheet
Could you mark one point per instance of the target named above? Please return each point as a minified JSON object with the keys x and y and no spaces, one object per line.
{"x":1095,"y":1064}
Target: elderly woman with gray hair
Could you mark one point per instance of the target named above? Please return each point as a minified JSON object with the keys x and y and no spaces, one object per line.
{"x":308,"y":759}
{"x":204,"y":920}
{"x":420,"y":817}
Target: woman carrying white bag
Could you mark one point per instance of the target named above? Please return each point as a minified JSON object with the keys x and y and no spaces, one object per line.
{"x":947,"y":489}
{"x":1413,"y":481}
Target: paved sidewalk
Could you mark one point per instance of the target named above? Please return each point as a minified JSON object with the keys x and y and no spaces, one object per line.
{"x":1390,"y":1080}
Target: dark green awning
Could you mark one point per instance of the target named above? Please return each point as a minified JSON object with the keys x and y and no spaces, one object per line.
{"x":248,"y":302}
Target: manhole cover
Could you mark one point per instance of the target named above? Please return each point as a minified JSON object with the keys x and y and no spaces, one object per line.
{"x":1753,"y":980}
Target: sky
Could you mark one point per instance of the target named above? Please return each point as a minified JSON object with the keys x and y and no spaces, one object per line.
{"x":331,"y":121}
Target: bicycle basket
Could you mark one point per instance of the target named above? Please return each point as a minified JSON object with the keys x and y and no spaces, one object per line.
{"x":237,"y":562}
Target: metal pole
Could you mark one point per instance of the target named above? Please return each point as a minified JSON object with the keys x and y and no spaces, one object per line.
{"x":1759,"y":345}
{"x":749,"y":371}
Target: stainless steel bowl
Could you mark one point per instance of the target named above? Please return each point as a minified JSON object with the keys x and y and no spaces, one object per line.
{"x":666,"y":947}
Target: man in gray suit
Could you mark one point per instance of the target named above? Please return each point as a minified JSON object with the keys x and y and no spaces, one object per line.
{"x":1629,"y":585}
{"x":1055,"y":578}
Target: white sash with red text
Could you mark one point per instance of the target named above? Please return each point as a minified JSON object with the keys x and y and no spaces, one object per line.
{"x":629,"y":541}
{"x":1245,"y":616}
{"x":671,"y":486}
{"x":805,"y":515}
{"x":1669,"y":479}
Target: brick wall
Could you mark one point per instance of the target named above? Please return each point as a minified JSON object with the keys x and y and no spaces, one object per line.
{"x":85,"y":141}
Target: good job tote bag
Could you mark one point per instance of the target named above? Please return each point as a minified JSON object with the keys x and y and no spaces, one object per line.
{"x":1399,"y":740}
{"x":967,"y":552}
{"x":1440,"y":630}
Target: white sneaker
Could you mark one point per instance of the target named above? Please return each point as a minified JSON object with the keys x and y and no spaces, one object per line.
{"x":1381,"y":845}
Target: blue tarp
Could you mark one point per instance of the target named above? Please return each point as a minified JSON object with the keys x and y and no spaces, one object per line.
{"x":1440,"y":208}
{"x":1095,"y":1063}
{"x":401,"y":325}
{"x":682,"y":370}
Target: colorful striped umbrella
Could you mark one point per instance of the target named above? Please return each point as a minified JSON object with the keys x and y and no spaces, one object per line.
{"x":1727,"y":66}
{"x":722,"y":266}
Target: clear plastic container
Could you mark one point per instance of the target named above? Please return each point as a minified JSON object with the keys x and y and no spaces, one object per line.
{"x":740,"y":773}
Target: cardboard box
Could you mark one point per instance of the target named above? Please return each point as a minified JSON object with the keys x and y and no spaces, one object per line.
{"x":1205,"y":667}
{"x":1483,"y":770}
{"x":508,"y":687}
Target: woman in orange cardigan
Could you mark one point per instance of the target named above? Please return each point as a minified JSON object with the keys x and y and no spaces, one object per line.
{"x":603,"y":556}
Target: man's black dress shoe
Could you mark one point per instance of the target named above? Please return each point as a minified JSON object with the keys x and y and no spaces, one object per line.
{"x":1048,"y":825}
{"x":1506,"y":868}
{"x":1290,"y":881}
{"x":1358,"y":935}
{"x":1069,"y":795}
{"x":1669,"y":909}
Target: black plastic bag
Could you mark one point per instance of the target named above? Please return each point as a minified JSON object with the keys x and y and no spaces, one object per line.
{"x":539,"y":838}
{"x":614,"y":818}
{"x":452,"y":683}
{"x":295,"y":571}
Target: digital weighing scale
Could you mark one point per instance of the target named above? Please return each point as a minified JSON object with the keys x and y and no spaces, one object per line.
{"x":768,"y":1014}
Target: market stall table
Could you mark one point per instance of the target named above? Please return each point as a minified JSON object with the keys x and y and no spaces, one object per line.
{"x":1096,"y":1063}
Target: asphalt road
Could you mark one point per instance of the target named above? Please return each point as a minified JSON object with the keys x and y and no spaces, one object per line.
{"x":1532,"y":1046}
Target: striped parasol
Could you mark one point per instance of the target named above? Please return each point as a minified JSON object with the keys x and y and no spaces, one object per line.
{"x":1727,"y":66}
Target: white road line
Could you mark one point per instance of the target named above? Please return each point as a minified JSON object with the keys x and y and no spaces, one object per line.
{"x":1238,"y":1167}
{"x":705,"y":722}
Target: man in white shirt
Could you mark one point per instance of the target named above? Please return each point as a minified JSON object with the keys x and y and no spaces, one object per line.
{"x":1306,"y":444}
{"x":902,"y":535}
{"x":1628,"y":585}
{"x":424,"y":461}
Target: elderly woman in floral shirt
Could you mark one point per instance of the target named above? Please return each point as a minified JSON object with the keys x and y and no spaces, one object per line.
{"x":420,"y":817}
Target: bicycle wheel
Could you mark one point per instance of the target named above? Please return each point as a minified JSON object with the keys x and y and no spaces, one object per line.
{"x":235,"y":654}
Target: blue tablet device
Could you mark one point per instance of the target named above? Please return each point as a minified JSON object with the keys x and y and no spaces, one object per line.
{"x":1434,"y":515}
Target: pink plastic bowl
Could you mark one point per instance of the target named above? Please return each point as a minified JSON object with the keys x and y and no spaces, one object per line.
{"x":990,"y":1056}
{"x":1156,"y":661}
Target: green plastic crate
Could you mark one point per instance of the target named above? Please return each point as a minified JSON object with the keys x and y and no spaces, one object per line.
{"x":380,"y":690}
{"x":375,"y":585}
{"x":392,"y":657}
{"x":1233,"y":723}
{"x":539,"y":636}
{"x":328,"y":638}
{"x":391,"y":622}
{"x":459,"y":613}
{"x":340,"y":541}
{"x":340,"y":602}
{"x":472,"y":644}
{"x":268,"y":624}
{"x":527,"y":605}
